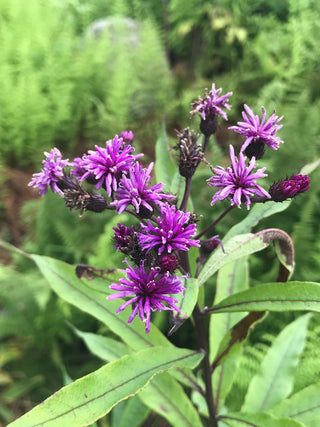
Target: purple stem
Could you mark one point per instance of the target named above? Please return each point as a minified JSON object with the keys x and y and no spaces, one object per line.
{"x":214,"y":222}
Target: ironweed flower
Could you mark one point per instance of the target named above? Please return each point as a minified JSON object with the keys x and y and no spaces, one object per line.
{"x":134,"y":190}
{"x":288,"y":188}
{"x":122,"y":236}
{"x":148,"y":291}
{"x":257,"y":133}
{"x":209,"y":107}
{"x":212,"y":103}
{"x":237,"y":181}
{"x":173,"y":232}
{"x":127,"y":136}
{"x":51,"y":173}
{"x":108,"y":164}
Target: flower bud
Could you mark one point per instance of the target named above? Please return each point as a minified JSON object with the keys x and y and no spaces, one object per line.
{"x":289,"y":188}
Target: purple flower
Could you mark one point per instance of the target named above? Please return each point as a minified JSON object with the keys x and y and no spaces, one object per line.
{"x":108,"y":164}
{"x":51,"y":173}
{"x":122,"y":236}
{"x":77,"y":168}
{"x":258,"y":133}
{"x":127,"y":136}
{"x":172,"y":232}
{"x":237,"y":181}
{"x":148,"y":291}
{"x":212,"y":103}
{"x":134,"y":190}
{"x":288,"y":188}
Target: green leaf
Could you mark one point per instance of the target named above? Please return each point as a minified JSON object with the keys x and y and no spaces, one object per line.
{"x":173,"y":404}
{"x":94,"y":395}
{"x":232,"y":278}
{"x":107,"y":349}
{"x":134,"y":414}
{"x":79,"y":293}
{"x":246,"y":244}
{"x":186,"y":303}
{"x":164,"y":168}
{"x":256,"y":214}
{"x":274,"y":381}
{"x":258,"y":420}
{"x":303,"y":406}
{"x":301,"y":296}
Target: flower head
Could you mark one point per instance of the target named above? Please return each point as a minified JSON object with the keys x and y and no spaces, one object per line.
{"x":127,"y":136}
{"x":135,"y":190}
{"x":288,"y":188}
{"x":212,"y":103}
{"x":173,"y":232}
{"x":122,"y":236}
{"x":108,"y":164}
{"x":190,"y":153}
{"x":51,"y":173}
{"x":237,"y":181}
{"x":148,"y":291}
{"x":257,"y":133}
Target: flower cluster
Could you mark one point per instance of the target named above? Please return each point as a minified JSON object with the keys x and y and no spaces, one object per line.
{"x":156,"y":248}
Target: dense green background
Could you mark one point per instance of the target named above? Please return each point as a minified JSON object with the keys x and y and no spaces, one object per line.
{"x":61,"y":86}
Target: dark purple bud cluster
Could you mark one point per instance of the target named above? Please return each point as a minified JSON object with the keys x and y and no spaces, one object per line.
{"x":289,"y":188}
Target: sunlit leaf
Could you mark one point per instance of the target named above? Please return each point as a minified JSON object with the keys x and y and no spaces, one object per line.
{"x":94,"y":395}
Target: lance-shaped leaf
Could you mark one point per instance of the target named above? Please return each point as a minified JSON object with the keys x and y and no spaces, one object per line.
{"x":303,"y":406}
{"x":164,"y":167}
{"x":274,"y":381}
{"x":232,"y":278}
{"x":94,"y":395}
{"x":134,"y":413}
{"x":107,"y":349}
{"x":246,"y":244}
{"x":64,"y":282}
{"x":187,"y":302}
{"x":258,"y":420}
{"x":80,"y":293}
{"x":300,"y":296}
{"x":170,"y":401}
{"x":255,"y":215}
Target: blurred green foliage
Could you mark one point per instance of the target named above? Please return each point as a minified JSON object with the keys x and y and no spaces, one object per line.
{"x":65,"y":86}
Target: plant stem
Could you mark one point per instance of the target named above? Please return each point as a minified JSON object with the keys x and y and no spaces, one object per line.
{"x":206,"y":142}
{"x":184,"y":203}
{"x":214,"y":222}
{"x":204,"y":345}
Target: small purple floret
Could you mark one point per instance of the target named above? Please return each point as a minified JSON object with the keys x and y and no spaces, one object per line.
{"x":171,"y":233}
{"x":122,"y":236}
{"x":108,"y":164}
{"x":255,"y":131}
{"x":134,"y":190}
{"x":148,"y":291}
{"x":51,"y":173}
{"x":237,"y":181}
{"x":212,"y":103}
{"x":127,"y":136}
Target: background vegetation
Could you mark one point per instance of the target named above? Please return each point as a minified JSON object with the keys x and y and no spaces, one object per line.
{"x":66,"y":83}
